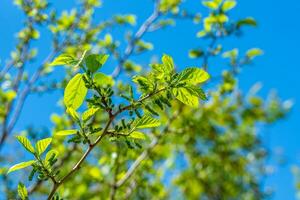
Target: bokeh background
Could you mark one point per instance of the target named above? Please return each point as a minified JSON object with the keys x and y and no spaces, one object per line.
{"x":277,"y":34}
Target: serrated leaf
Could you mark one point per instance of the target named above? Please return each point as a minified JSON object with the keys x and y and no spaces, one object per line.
{"x":95,"y":61}
{"x":22,"y":191}
{"x":146,"y":122}
{"x":26,"y":143}
{"x":192,"y":75}
{"x":89,"y":113}
{"x":42,"y":145}
{"x":228,"y":5}
{"x":196,"y":91}
{"x":103,"y":80}
{"x":21,"y":166}
{"x":66,"y":132}
{"x":64,"y":59}
{"x":186,"y":96}
{"x":137,"y":135}
{"x":75,"y":92}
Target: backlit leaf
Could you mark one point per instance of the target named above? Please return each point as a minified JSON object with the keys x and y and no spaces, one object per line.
{"x":64,"y":59}
{"x":22,"y":191}
{"x":89,"y":113}
{"x":186,"y":96}
{"x":95,"y":61}
{"x":75,"y":92}
{"x":137,"y":135}
{"x":228,"y":5}
{"x":146,"y":122}
{"x":66,"y":132}
{"x":26,"y":143}
{"x":21,"y":165}
{"x":192,"y":75}
{"x":42,"y":145}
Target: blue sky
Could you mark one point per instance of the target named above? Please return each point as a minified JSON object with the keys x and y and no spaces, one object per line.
{"x":277,"y":34}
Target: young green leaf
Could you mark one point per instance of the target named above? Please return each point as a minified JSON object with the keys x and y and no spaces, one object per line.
{"x":64,"y":59}
{"x":66,"y":132}
{"x":73,"y":113}
{"x":168,"y":64}
{"x":186,"y":96}
{"x":252,"y":53}
{"x":20,"y":166}
{"x":138,"y":135}
{"x":22,"y":191}
{"x":192,"y":75}
{"x":42,"y":145}
{"x":103,"y":80}
{"x":228,"y":5}
{"x":249,"y":21}
{"x":146,"y":122}
{"x":26,"y":143}
{"x":94,"y":61}
{"x":89,"y":113}
{"x":211,"y":4}
{"x":50,"y":154}
{"x":75,"y":92}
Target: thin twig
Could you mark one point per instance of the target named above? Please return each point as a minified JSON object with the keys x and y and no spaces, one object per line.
{"x":138,"y":35}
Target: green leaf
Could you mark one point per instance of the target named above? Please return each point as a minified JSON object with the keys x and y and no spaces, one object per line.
{"x":251,"y":53}
{"x":192,"y":75}
{"x":42,"y":145}
{"x":66,"y":132}
{"x":21,"y":165}
{"x":228,"y":5}
{"x":50,"y":154}
{"x":186,"y":96}
{"x":231,"y":54}
{"x":94,"y":61}
{"x":64,"y":59}
{"x":168,"y":64}
{"x":26,"y":143}
{"x":211,"y":5}
{"x":146,"y":122}
{"x":75,"y":92}
{"x":195,"y":53}
{"x":138,"y":135}
{"x":158,"y":71}
{"x":22,"y":191}
{"x":89,"y":113}
{"x":144,"y":83}
{"x":73,"y":113}
{"x":103,"y":80}
{"x":247,"y":21}
{"x":196,"y":91}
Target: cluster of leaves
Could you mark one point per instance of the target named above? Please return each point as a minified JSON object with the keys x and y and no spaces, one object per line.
{"x":162,"y":84}
{"x":151,"y":144}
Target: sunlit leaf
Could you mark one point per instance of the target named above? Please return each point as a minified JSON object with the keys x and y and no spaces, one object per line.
{"x":22,"y":191}
{"x":137,"y":135}
{"x":21,"y":166}
{"x":75,"y":92}
{"x":64,"y":59}
{"x":146,"y":122}
{"x":26,"y":143}
{"x":42,"y":145}
{"x":89,"y":113}
{"x":95,"y":61}
{"x":186,"y":96}
{"x":66,"y":132}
